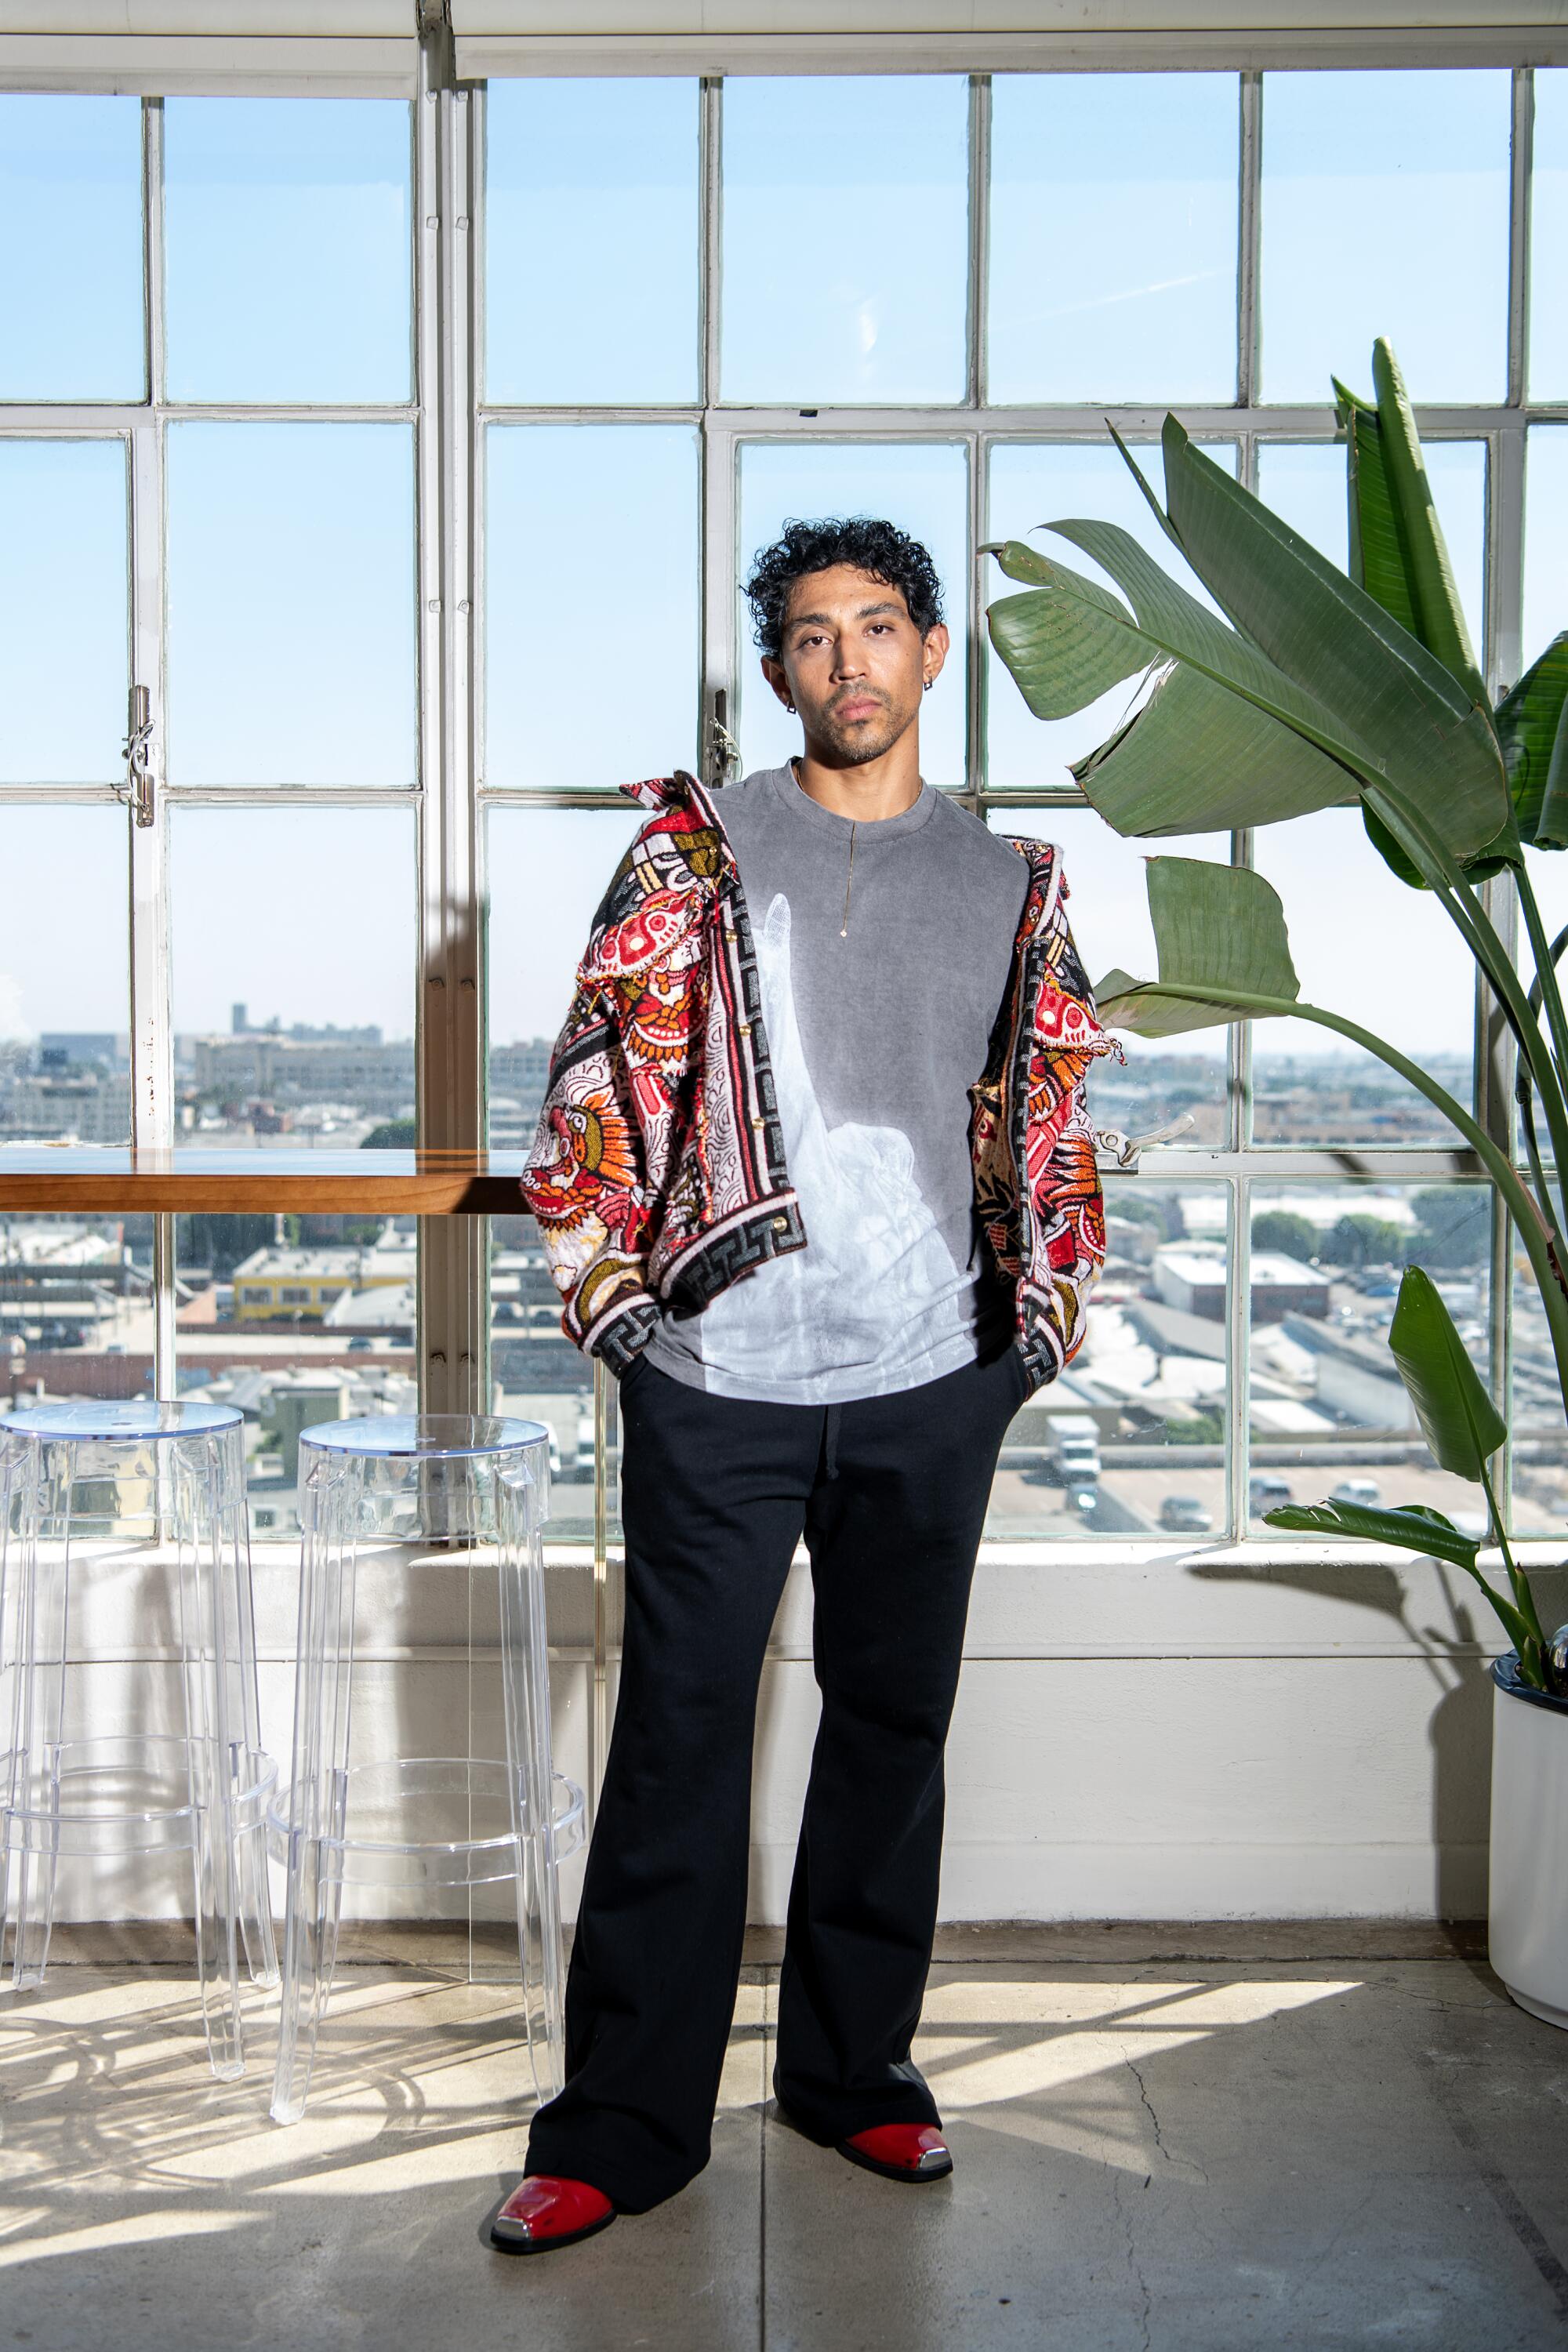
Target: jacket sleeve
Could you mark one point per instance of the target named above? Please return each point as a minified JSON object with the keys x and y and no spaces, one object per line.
{"x":1066,"y":1204}
{"x":585,"y":1183}
{"x":588,"y":1180}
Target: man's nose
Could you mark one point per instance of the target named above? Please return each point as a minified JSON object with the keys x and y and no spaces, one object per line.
{"x":848,"y":660}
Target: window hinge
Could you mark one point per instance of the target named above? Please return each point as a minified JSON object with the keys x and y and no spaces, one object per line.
{"x":137,"y":790}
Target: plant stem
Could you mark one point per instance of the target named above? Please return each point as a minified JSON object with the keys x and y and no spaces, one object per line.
{"x":1551,"y":994}
{"x":1524,"y":1599}
{"x":1459,"y":900}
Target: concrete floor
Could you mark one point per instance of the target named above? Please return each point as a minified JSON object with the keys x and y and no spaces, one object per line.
{"x":1167,"y":2141}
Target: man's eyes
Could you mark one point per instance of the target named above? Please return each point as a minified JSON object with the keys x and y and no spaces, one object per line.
{"x":878,"y":628}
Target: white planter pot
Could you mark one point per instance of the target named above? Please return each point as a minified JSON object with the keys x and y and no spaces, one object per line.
{"x":1527,"y":1908}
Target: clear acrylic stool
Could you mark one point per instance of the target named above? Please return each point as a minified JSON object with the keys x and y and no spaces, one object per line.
{"x":82,"y":1478}
{"x":475,"y":1494}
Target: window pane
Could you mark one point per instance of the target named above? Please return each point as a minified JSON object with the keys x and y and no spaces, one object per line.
{"x":294,"y":944}
{"x":1385,"y":212}
{"x":1545,"y":538}
{"x":1388,"y":957}
{"x":1305,"y":483}
{"x":65,"y":998}
{"x":1129,"y":1441}
{"x":920,"y":487}
{"x":1032,"y":483}
{"x":592,"y":185}
{"x":292,"y":597}
{"x":1327,"y":1412}
{"x":1535,"y":1413}
{"x":1549,"y":236}
{"x":548,"y":870}
{"x":313,"y":1324}
{"x":288,"y":245}
{"x":71,"y":270}
{"x":845,"y":239}
{"x":64,"y":627}
{"x":1113,"y":236}
{"x":75,"y":1308}
{"x":1108,"y":910}
{"x":592,"y":660}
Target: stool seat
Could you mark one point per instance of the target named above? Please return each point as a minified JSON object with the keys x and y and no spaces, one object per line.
{"x":426,"y":1436}
{"x":433,"y":1493}
{"x":68,"y":1471}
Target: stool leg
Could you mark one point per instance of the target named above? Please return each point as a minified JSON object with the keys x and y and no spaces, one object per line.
{"x":319,"y":1787}
{"x":18,"y":1532}
{"x":40,"y":1664}
{"x":255,"y":1891}
{"x":525,"y":1671}
{"x":206,"y":1643}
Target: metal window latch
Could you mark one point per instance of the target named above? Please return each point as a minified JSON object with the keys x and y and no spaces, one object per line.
{"x":137,"y":790}
{"x":1124,"y":1148}
{"x":723,"y":751}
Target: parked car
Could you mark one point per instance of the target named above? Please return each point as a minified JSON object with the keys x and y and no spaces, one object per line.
{"x":1266,"y":1488}
{"x":1356,"y":1490}
{"x":1184,"y":1515}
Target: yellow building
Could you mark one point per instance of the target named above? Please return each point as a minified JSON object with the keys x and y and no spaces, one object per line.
{"x":278,"y":1285}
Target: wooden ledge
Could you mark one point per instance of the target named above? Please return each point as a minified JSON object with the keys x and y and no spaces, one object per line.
{"x":98,"y":1182}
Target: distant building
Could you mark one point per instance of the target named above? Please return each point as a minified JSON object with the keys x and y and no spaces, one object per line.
{"x":1195,"y":1283}
{"x":300,"y":1285}
{"x":65,"y":1049}
{"x":388,"y":1310}
{"x":1356,"y":1377}
{"x":91,"y":1108}
{"x":287,"y":1072}
{"x":519,"y":1079}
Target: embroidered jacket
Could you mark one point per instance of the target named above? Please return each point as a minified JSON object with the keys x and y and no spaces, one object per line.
{"x":657,"y":1175}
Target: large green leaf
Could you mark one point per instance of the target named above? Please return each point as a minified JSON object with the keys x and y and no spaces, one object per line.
{"x":1427,"y":734}
{"x":1440,"y":616}
{"x":1458,"y":1419}
{"x":1533,"y":727}
{"x":1414,"y":1528}
{"x":1068,"y":646}
{"x":1172,"y":768}
{"x":1179,"y":626}
{"x":1376,"y":556}
{"x":1217,"y":928}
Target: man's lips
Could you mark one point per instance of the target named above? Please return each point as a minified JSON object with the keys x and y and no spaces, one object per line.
{"x":860,"y":706}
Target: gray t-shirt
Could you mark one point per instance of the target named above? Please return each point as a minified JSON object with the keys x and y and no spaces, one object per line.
{"x":878,"y":1021}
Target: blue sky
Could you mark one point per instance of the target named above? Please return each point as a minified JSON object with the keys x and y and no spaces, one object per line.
{"x":292,"y":599}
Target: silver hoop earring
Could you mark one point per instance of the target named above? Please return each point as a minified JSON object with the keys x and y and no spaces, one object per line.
{"x":926,"y":685}
{"x":790,"y":708}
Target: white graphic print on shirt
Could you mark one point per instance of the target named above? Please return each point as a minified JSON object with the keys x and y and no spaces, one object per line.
{"x":876,"y":1291}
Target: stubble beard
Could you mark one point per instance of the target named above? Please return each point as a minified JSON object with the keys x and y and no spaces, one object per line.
{"x":856,"y":746}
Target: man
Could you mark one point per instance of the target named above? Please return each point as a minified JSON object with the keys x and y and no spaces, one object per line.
{"x":816,"y":1180}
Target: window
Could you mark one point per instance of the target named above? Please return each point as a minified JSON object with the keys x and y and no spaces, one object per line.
{"x":405,"y":633}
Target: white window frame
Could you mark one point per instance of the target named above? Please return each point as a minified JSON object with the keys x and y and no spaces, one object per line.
{"x":449,"y":420}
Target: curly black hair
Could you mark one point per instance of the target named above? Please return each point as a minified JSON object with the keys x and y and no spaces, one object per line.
{"x":879,"y":548}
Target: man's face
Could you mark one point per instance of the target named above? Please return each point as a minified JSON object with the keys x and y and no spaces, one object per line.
{"x":852,"y":664}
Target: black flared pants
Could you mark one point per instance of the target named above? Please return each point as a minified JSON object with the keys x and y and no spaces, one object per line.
{"x":890,"y":1493}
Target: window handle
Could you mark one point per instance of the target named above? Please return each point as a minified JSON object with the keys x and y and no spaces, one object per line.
{"x":723,"y":751}
{"x":1124,"y":1148}
{"x":137,"y":788}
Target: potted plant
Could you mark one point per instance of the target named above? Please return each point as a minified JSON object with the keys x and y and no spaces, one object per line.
{"x":1314,"y":687}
